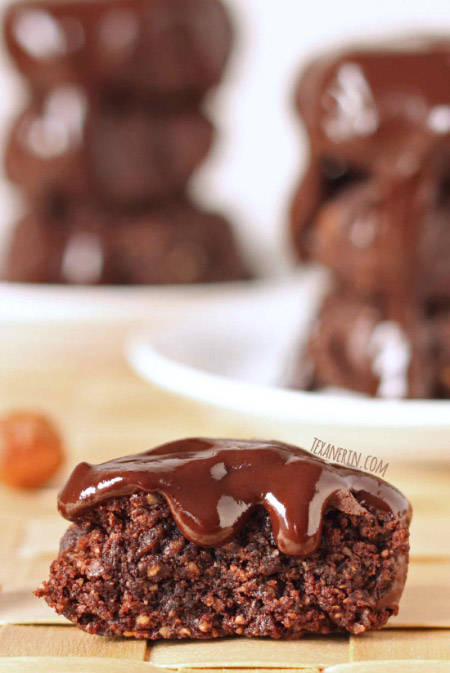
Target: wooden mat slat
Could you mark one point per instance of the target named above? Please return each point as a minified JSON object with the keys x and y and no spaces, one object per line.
{"x":61,"y":641}
{"x":401,"y":644}
{"x":22,"y":607}
{"x":426,"y":598}
{"x":310,"y":651}
{"x":392,"y":666}
{"x":73,"y":665}
{"x":83,"y":665}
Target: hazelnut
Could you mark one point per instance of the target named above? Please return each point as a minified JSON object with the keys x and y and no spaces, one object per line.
{"x":31,"y":450}
{"x":153,"y":570}
{"x":193,"y":568}
{"x":184,"y":633}
{"x":143,"y":620}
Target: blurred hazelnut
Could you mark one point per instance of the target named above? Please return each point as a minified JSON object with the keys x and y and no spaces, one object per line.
{"x":31,"y":450}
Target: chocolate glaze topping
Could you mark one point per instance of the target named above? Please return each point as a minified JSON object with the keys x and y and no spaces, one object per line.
{"x":212,"y":485}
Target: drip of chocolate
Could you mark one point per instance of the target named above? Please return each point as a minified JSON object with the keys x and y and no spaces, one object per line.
{"x":212,"y":485}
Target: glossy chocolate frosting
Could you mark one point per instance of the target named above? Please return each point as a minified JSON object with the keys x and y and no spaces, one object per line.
{"x":381,"y":117}
{"x":212,"y":485}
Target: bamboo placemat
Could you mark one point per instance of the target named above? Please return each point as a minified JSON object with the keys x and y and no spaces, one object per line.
{"x":108,"y":412}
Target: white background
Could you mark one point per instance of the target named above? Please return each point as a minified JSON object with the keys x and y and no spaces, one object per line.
{"x":258,"y":159}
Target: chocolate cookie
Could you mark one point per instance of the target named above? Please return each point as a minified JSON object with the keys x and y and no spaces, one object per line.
{"x":176,"y":243}
{"x":120,"y":153}
{"x":354,"y":346}
{"x":206,"y":538}
{"x":351,"y":236}
{"x":376,"y":116}
{"x":157,"y":47}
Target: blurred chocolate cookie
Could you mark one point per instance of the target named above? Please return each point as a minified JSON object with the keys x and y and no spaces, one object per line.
{"x":174,"y":244}
{"x":120,"y":152}
{"x":157,"y":47}
{"x":379,"y":164}
{"x":354,"y":346}
{"x":351,"y":237}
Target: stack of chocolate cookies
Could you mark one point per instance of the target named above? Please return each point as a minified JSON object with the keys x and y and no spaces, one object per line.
{"x":113,"y":132}
{"x":374,"y":208}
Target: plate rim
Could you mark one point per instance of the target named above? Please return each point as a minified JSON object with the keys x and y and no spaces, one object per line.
{"x":260,"y":399}
{"x":23,"y":302}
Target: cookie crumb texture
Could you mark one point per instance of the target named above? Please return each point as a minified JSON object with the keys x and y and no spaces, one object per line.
{"x":125,"y":569}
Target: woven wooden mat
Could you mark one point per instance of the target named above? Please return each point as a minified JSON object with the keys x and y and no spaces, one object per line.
{"x":109,"y":412}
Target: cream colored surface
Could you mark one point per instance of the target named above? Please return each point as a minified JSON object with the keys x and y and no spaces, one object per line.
{"x":62,"y":641}
{"x":399,"y":666}
{"x":72,"y":665}
{"x":242,"y":653}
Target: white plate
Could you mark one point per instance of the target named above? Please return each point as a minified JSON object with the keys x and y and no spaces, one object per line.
{"x":235,"y":354}
{"x":28,"y":302}
{"x":44,"y":324}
